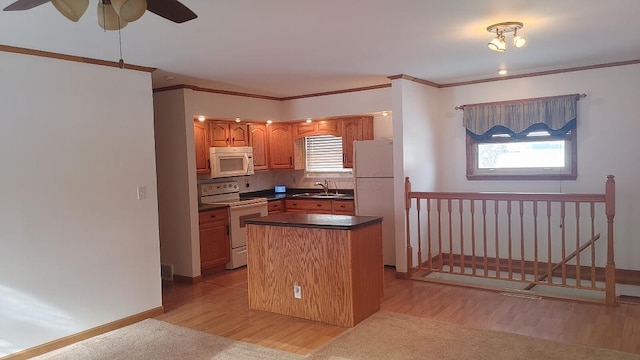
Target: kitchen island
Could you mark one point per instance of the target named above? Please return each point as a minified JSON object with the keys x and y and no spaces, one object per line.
{"x":325,"y":268}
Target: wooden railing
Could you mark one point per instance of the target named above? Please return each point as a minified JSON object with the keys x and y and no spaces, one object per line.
{"x":539,"y":239}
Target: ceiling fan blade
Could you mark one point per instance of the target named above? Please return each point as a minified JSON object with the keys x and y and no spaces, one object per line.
{"x":25,"y":5}
{"x":171,"y":10}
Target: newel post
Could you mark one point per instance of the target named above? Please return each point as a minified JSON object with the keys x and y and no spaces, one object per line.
{"x":610,"y":210}
{"x":407,"y":206}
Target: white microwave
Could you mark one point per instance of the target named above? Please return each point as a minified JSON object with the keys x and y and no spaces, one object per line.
{"x":231,"y":161}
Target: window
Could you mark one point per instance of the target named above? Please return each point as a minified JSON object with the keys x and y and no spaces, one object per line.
{"x":324,"y":155}
{"x":538,"y":155}
{"x":530,"y":139}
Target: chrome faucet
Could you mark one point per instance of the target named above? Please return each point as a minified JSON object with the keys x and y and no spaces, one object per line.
{"x":325,"y":186}
{"x":335,"y":186}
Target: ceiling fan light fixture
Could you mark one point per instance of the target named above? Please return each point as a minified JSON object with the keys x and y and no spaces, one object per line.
{"x":71,"y":9}
{"x":518,"y":41}
{"x":129,"y":10}
{"x":108,"y":19}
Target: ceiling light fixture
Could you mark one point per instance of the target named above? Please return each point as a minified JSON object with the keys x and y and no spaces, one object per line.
{"x":237,"y":119}
{"x":498,"y":43}
{"x":201,"y":118}
{"x":308,"y":121}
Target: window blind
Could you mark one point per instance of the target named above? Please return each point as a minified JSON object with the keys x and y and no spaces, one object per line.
{"x":324,"y":153}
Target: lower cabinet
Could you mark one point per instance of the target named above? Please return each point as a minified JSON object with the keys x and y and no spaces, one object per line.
{"x":275,"y":206}
{"x":306,"y":206}
{"x":214,"y":238}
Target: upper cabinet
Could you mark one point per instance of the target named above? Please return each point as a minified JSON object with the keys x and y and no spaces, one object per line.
{"x":354,"y":128}
{"x":201,"y":140}
{"x":280,"y":146}
{"x":223,"y":134}
{"x":318,"y":127}
{"x":258,"y":140}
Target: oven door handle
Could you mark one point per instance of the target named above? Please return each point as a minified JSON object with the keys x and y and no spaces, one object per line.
{"x":248,"y":206}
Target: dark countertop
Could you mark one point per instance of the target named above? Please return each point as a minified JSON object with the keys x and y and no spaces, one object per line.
{"x":322,"y":221}
{"x":271,"y":195}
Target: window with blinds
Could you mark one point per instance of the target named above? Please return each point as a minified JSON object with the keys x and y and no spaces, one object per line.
{"x":324,"y":154}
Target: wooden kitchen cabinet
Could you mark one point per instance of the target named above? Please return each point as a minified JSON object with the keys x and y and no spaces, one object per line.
{"x":201,"y":140}
{"x":214,"y":238}
{"x":354,"y":128}
{"x":258,"y":140}
{"x":275,"y":206}
{"x":342,"y":207}
{"x":224,"y":133}
{"x":318,"y":127}
{"x":308,"y":206}
{"x":280,"y":144}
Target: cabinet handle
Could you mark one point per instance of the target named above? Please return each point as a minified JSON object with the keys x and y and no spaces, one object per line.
{"x":233,"y":140}
{"x":212,"y":216}
{"x":290,"y":160}
{"x":227,"y":141}
{"x":344,"y":157}
{"x":318,"y":205}
{"x":227,"y":229}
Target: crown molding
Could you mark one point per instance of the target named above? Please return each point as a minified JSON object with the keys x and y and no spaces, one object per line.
{"x":80,"y":59}
{"x":214,"y":91}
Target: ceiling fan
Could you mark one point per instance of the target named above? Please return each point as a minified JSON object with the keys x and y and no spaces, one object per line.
{"x":113,"y":14}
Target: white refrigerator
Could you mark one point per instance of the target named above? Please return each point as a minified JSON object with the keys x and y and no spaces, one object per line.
{"x":373,"y":188}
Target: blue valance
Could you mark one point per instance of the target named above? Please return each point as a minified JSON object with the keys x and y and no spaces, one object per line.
{"x":557,"y":115}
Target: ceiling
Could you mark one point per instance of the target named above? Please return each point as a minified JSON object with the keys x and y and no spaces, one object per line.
{"x":288,"y":48}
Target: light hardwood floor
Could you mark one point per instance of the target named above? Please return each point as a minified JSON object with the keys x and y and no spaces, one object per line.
{"x":219,"y":305}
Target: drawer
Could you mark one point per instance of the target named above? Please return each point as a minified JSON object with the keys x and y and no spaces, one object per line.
{"x":308,"y":204}
{"x":213,"y":216}
{"x":342,"y":206}
{"x":275,"y":206}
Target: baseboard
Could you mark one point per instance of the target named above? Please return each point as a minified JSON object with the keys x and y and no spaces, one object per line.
{"x":68,"y":340}
{"x":187,"y":279}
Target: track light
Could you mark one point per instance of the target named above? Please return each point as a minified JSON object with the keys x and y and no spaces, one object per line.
{"x":498,"y":43}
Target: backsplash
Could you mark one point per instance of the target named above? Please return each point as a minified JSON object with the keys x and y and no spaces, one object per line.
{"x":266,"y":180}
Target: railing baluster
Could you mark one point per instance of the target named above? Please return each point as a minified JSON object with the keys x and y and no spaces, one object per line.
{"x":535,"y":240}
{"x":460,"y":209}
{"x":549,"y":257}
{"x":564,"y":252}
{"x":593,"y":248}
{"x":484,"y":239}
{"x":473,"y":238}
{"x":522,"y":257}
{"x":429,"y":252}
{"x":496,"y":210}
{"x":578,"y":267}
{"x":440,"y":259}
{"x":510,"y":261}
{"x":450,"y":237}
{"x":419,"y":235}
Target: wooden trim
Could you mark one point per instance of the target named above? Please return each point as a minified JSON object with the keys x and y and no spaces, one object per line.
{"x":336,"y":92}
{"x":52,"y":55}
{"x":83,"y":335}
{"x":215,"y":91}
{"x":186,"y":279}
{"x":543,"y":73}
{"x":415,"y":79}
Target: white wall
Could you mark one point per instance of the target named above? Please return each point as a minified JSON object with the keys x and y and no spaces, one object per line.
{"x":416,"y":149}
{"x":78,"y":249}
{"x":607,"y":132}
{"x":353,"y":103}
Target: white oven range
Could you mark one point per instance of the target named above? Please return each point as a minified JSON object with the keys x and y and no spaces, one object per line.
{"x":228,"y":193}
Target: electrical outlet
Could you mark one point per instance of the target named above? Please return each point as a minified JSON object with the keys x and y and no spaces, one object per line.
{"x":297,"y":291}
{"x":142,"y":192}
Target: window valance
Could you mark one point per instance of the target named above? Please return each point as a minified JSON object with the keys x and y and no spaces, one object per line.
{"x":557,"y":115}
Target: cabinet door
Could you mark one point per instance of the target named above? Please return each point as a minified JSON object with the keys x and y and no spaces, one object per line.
{"x":342,"y":207}
{"x":330,"y":127}
{"x":275,"y":206}
{"x":280,"y":146}
{"x":214,"y":245}
{"x":258,"y":140}
{"x":201,"y":140}
{"x":239,"y":135}
{"x":356,"y":128}
{"x":218,"y":134}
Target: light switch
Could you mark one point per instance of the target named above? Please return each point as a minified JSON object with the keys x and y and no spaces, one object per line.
{"x":142,"y":192}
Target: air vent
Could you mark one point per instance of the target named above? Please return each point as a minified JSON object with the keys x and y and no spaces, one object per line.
{"x":166,"y":272}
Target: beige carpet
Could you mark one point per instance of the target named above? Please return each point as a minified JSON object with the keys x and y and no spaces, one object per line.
{"x":395,"y":336}
{"x":384,"y":335}
{"x":159,"y":340}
